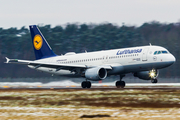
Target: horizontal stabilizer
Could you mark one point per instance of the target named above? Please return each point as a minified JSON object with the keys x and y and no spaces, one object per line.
{"x":16,"y":61}
{"x":10,"y":60}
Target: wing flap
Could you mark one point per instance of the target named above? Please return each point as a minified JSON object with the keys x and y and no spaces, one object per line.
{"x":54,"y":65}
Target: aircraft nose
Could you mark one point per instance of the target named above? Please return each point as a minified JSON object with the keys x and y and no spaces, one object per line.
{"x":172,"y":59}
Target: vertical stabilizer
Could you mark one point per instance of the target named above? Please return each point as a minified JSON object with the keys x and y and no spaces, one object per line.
{"x":40,"y":45}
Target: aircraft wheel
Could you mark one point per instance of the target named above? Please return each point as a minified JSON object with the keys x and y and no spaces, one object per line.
{"x":120,"y":84}
{"x":154,"y":81}
{"x":88,"y":84}
{"x":83,"y":84}
{"x":123,"y":84}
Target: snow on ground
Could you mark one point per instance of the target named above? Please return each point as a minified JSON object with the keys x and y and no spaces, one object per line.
{"x":35,"y":111}
{"x":71,"y":83}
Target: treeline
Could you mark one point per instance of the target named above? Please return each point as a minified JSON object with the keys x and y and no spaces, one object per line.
{"x":17,"y":43}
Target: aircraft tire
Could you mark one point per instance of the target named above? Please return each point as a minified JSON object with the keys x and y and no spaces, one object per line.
{"x":88,"y":84}
{"x":83,"y":84}
{"x":120,"y":84}
{"x":123,"y":84}
{"x":154,"y":81}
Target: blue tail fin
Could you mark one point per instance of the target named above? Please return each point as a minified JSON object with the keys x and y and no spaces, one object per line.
{"x":40,"y":45}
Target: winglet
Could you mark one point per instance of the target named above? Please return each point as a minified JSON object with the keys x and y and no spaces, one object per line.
{"x":7,"y":60}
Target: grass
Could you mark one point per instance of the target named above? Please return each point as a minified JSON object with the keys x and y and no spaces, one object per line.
{"x":90,"y":104}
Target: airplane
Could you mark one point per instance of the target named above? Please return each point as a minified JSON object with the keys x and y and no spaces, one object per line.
{"x":143,"y":61}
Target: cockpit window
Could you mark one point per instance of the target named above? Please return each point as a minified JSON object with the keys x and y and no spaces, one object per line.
{"x":155,"y":52}
{"x":160,"y":52}
{"x":164,"y":52}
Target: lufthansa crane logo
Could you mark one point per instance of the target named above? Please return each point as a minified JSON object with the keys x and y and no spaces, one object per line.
{"x":37,"y":42}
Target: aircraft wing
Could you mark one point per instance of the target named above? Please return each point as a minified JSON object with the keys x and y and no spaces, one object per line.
{"x":37,"y":64}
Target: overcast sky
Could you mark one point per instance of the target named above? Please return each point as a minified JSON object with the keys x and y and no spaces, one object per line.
{"x":18,"y":13}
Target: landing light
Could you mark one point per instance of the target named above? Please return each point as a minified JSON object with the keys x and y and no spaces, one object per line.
{"x":152,"y":73}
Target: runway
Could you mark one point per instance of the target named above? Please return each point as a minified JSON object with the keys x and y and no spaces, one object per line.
{"x":96,"y":86}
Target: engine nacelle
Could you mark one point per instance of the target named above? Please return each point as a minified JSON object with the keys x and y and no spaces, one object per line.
{"x":96,"y":73}
{"x":147,"y":75}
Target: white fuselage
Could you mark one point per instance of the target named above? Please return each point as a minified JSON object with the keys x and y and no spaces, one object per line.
{"x":122,"y":61}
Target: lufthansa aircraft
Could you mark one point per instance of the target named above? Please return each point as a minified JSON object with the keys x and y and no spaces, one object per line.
{"x":144,"y":61}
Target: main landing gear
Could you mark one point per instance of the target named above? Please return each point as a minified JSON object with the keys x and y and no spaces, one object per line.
{"x":154,"y":80}
{"x":120,"y":83}
{"x":86,"y":84}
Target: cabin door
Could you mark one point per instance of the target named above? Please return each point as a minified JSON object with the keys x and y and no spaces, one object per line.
{"x":144,"y":56}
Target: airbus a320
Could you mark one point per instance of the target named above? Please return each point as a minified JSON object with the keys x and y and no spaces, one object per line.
{"x":144,"y":61}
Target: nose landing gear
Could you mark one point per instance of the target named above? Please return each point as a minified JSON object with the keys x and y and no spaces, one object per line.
{"x":154,"y":80}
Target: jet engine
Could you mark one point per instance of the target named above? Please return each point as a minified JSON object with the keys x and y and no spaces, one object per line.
{"x":147,"y":75}
{"x":97,"y":73}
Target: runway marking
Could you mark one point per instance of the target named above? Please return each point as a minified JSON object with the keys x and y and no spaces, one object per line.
{"x":6,"y":86}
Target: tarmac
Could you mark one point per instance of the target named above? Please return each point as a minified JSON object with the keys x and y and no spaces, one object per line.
{"x":95,"y":86}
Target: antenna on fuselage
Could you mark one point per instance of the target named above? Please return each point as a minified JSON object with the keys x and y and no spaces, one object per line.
{"x":150,"y":44}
